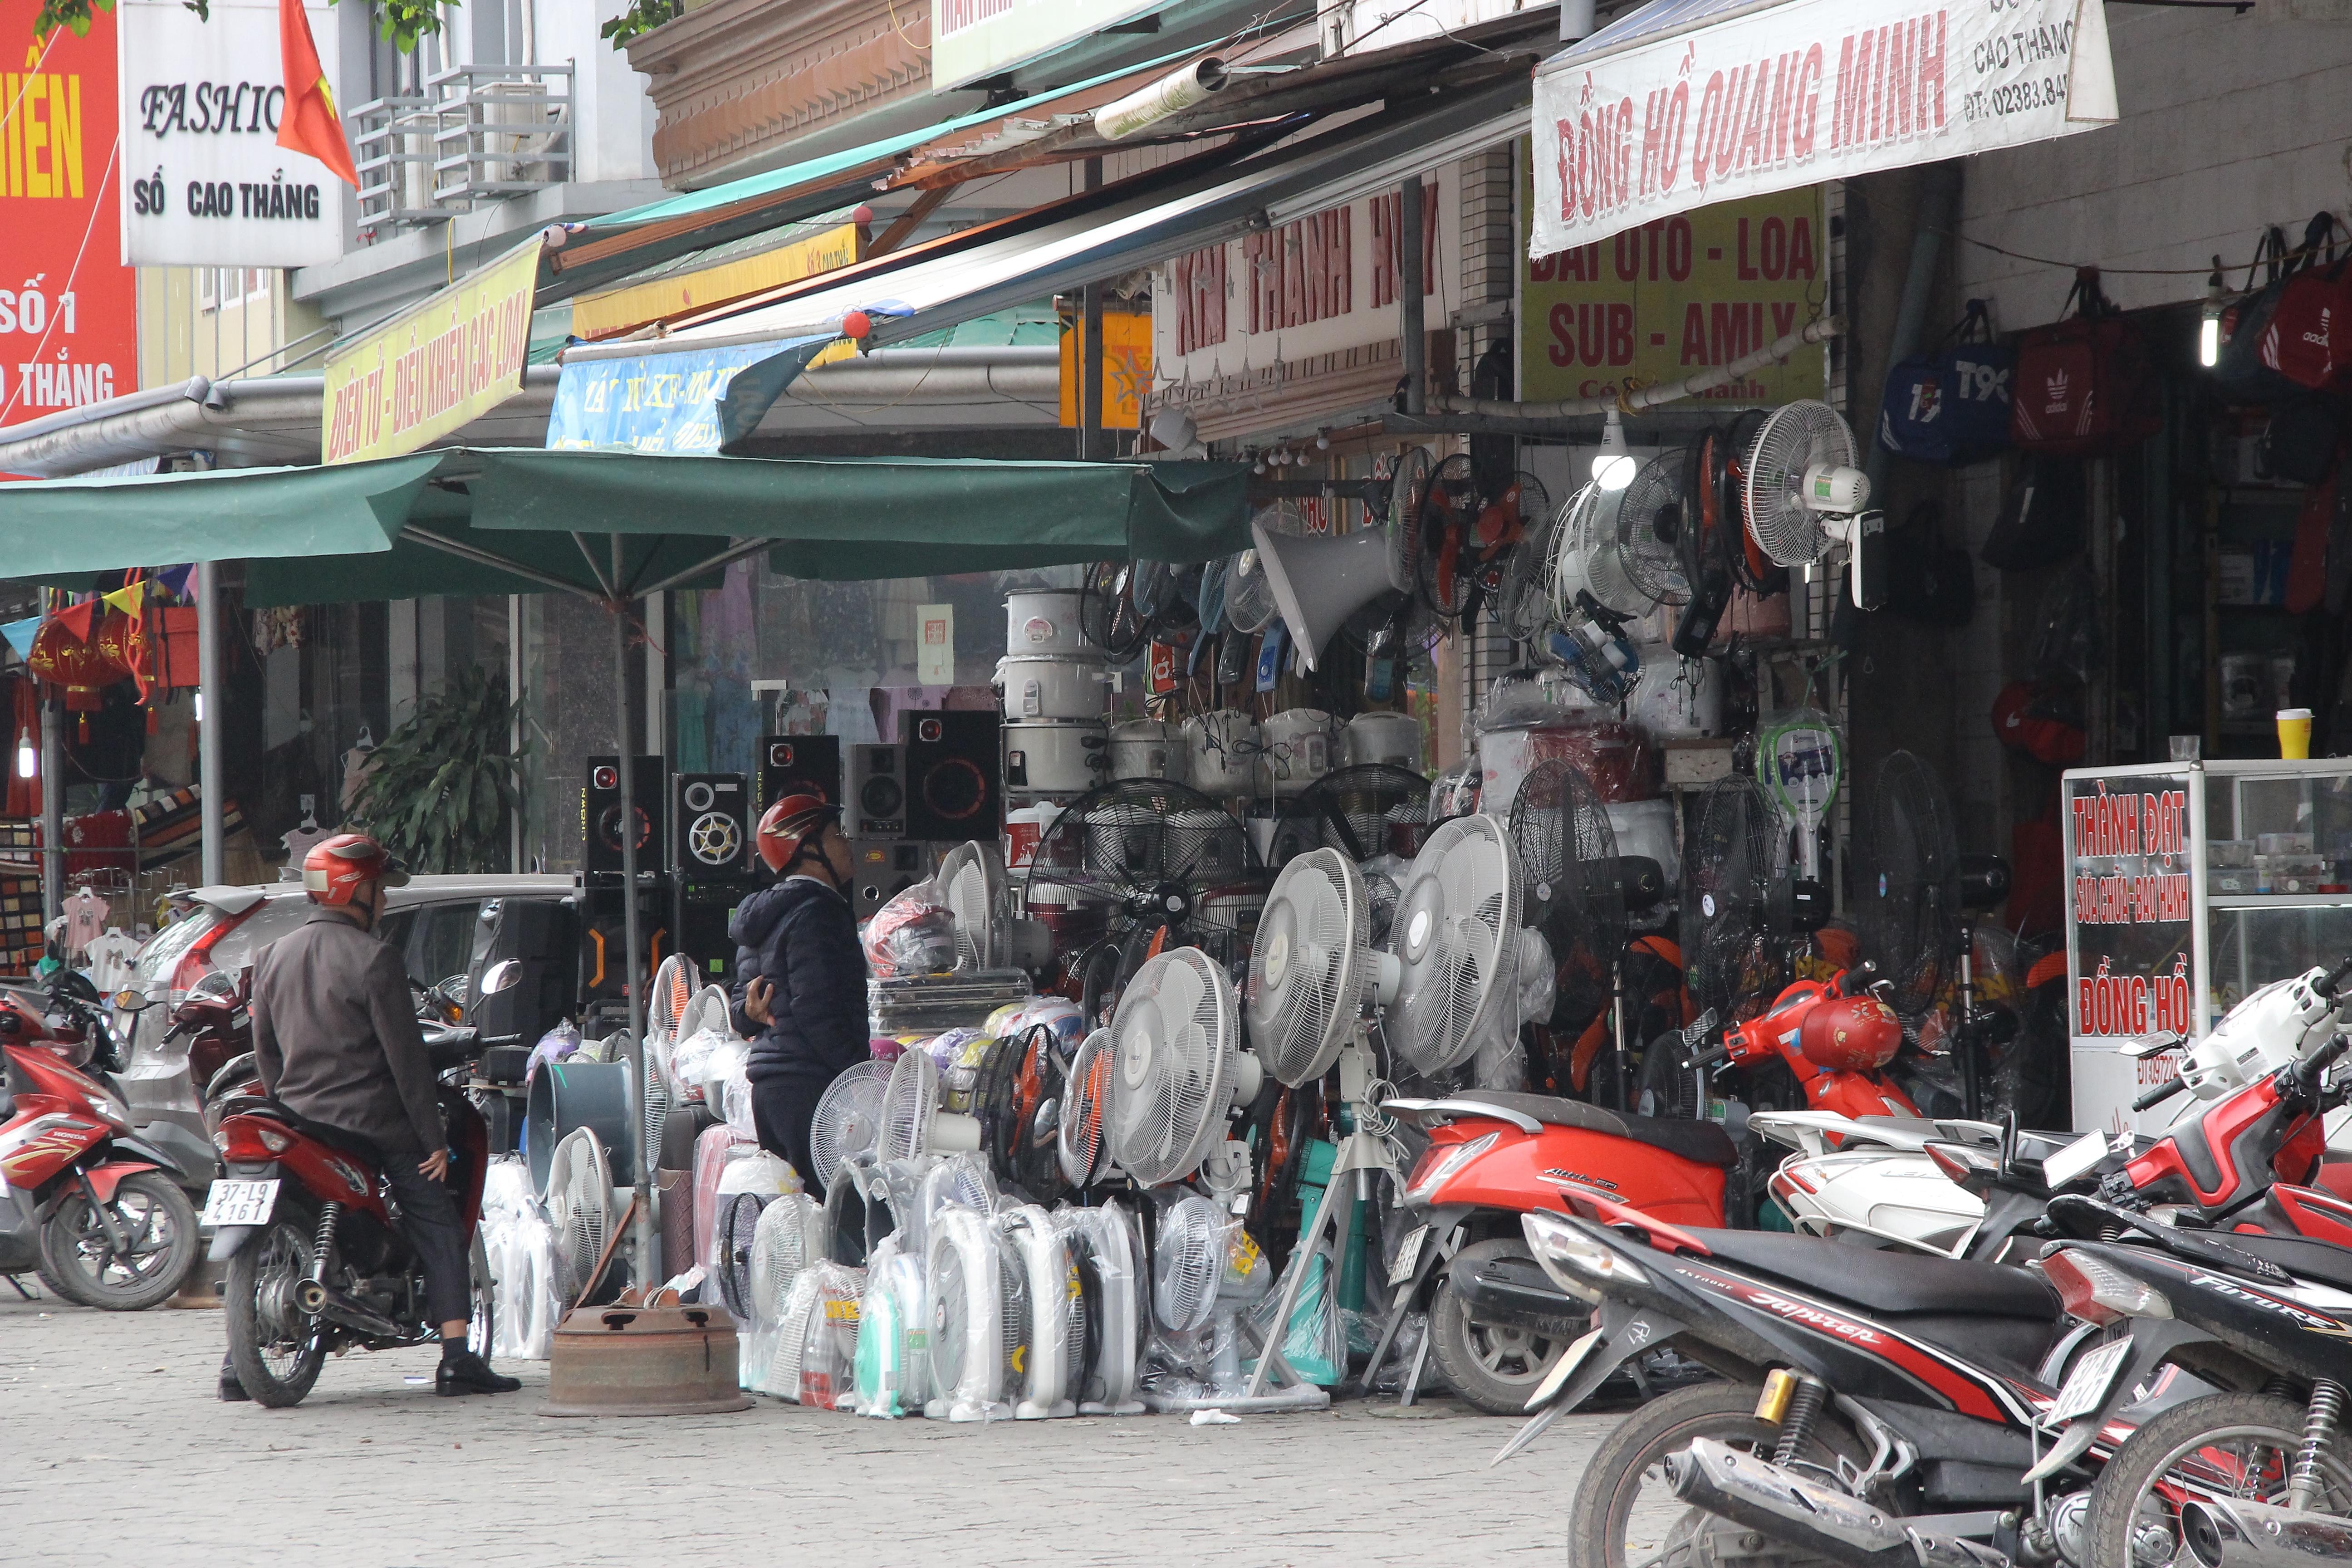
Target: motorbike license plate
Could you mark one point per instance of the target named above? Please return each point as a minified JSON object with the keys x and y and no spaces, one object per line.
{"x":2086,"y":1388}
{"x":1408,"y":1256}
{"x":240,"y":1202}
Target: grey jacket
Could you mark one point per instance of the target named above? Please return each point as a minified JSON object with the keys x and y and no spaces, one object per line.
{"x":335,"y":1036}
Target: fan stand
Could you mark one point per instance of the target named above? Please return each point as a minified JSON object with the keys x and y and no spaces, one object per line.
{"x":1363,"y":1154}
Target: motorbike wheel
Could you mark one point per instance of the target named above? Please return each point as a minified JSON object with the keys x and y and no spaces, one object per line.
{"x":1492,"y":1366}
{"x":79,"y":1260}
{"x":275,"y":1348}
{"x":1624,"y":1511}
{"x":2241,"y":1446}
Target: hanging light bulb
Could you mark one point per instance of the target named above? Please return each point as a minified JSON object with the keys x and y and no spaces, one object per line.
{"x":1614,"y":466}
{"x":1257,"y":465}
{"x":1323,"y":439}
{"x":2208,"y":327}
{"x":28,"y":760}
{"x":200,"y":706}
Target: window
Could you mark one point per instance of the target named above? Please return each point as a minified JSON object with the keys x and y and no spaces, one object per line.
{"x":219,"y":286}
{"x":447,"y":939}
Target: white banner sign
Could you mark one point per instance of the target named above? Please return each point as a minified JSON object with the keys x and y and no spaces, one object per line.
{"x":976,"y":38}
{"x":1803,"y":92}
{"x":205,"y":183}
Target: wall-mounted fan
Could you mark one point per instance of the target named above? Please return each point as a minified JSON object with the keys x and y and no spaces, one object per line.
{"x":989,"y":935}
{"x":1177,"y":1070}
{"x":1649,"y":522}
{"x":1593,"y":597}
{"x":1523,"y":506}
{"x":1703,"y":545}
{"x":1408,"y":496}
{"x":848,"y":1118}
{"x":579,"y":1199}
{"x":1448,"y":555}
{"x":1805,"y":493}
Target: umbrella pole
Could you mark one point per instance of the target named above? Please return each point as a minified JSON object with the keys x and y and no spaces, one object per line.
{"x":648,"y":1256}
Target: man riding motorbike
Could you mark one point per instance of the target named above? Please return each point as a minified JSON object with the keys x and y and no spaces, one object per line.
{"x":800,"y":975}
{"x":335,"y":1041}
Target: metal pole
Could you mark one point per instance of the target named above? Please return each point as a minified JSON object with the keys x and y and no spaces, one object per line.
{"x":53,"y":810}
{"x":208,"y":702}
{"x":1091,"y":447}
{"x":1411,"y":330}
{"x":648,"y":1255}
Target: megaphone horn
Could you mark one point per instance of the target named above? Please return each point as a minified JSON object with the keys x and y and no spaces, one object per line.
{"x":1318,"y":583}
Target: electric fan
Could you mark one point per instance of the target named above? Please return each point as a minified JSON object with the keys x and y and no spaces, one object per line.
{"x":672,"y":989}
{"x":1456,"y":934}
{"x":978,"y":895}
{"x":848,"y":1118}
{"x":579,"y":1199}
{"x":732,"y":1235}
{"x":961,"y":1181}
{"x":1055,"y":1345}
{"x":1447,"y":557}
{"x":912,"y":1122}
{"x":852,"y":1199}
{"x":1106,"y":1254}
{"x":1408,"y":494}
{"x":1523,"y":593}
{"x":1107,"y":618}
{"x":1250,"y":604}
{"x":1187,"y":1258}
{"x":1079,"y":1137}
{"x":1502,"y":525}
{"x":1370,"y":809}
{"x":789,"y":1238}
{"x":1208,"y":1276}
{"x":1594,"y":598}
{"x":661,"y":1088}
{"x":1177,"y":1070}
{"x":894,"y":1363}
{"x":1702,"y":543}
{"x":1649,"y":519}
{"x":1735,"y":929}
{"x":1017,"y":1099}
{"x":1575,"y":888}
{"x":1908,"y":904}
{"x":817,"y":1342}
{"x":1805,"y":492}
{"x":963,"y":1271}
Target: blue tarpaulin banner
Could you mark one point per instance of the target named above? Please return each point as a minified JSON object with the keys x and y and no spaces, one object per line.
{"x":697,"y":403}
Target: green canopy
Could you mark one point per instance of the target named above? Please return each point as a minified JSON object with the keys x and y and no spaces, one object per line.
{"x":518,"y":520}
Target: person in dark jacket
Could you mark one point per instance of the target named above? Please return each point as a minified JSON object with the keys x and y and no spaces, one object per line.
{"x":800,"y":975}
{"x":335,"y":1041}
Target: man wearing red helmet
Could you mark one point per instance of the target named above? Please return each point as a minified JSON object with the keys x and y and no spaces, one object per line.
{"x":335,"y":1041}
{"x":800,"y":974}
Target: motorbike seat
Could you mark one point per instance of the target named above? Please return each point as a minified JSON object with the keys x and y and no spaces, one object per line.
{"x":1886,"y":1281}
{"x":2302,"y":1256}
{"x":1701,"y":1142}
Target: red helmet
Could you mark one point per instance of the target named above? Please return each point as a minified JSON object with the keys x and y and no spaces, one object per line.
{"x":791,"y":823}
{"x":336,"y":867}
{"x":1850,"y":1034}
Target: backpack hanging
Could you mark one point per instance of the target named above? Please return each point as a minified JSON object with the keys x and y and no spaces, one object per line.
{"x":2239,"y":373}
{"x":1929,"y":579}
{"x":2040,"y":520}
{"x":2309,"y":338}
{"x":1950,"y":405}
{"x":2085,"y":385}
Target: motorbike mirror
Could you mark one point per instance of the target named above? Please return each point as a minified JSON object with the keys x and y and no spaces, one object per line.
{"x":129,"y":1001}
{"x":2078,"y":1159}
{"x":1959,"y":1161}
{"x":2153,"y":1044}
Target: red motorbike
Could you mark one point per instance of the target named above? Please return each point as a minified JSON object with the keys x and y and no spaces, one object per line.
{"x":1493,"y":1157}
{"x":94,"y":1209}
{"x":317,"y":1258}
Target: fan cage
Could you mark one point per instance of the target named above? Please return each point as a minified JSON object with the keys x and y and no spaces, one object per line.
{"x":1734,"y":932}
{"x":1908,"y":917}
{"x":1650,"y":520}
{"x":848,"y":1118}
{"x":1459,"y":946}
{"x":1188,"y":1259}
{"x":1172,"y":1066}
{"x":1794,"y":437}
{"x":1308,"y":969}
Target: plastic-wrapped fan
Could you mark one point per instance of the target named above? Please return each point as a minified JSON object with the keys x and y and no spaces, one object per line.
{"x":912,"y":1122}
{"x":1795,"y":466}
{"x":660,"y":1091}
{"x":851,"y":1226}
{"x":731,"y":1241}
{"x":579,"y":1199}
{"x":1408,"y":492}
{"x":816,"y":1345}
{"x":1383,"y":890}
{"x":972,"y":882}
{"x":672,"y":989}
{"x":964,"y":1181}
{"x":1573,"y":884}
{"x":1106,"y":1256}
{"x":848,"y":1118}
{"x":1188,"y":1257}
{"x":1449,"y":551}
{"x":1735,"y":937}
{"x":1909,"y":912}
{"x":1372,"y":808}
{"x":1587,"y":558}
{"x":1107,"y":618}
{"x":961,"y":1271}
{"x":1213,"y":577}
{"x":1055,"y":1347}
{"x":1250,"y":603}
{"x":1649,"y":528}
{"x":789,"y":1238}
{"x":802,"y":1303}
{"x":894,"y":1362}
{"x":1523,"y":596}
{"x":1456,"y":935}
{"x":1310,"y":970}
{"x":1177,"y":1068}
{"x":713,"y":1148}
{"x":1017,"y":1099}
{"x":1078,"y":1139}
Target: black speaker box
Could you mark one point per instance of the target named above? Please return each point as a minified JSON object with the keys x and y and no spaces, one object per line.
{"x":600,"y":816}
{"x":954,"y":787}
{"x":874,"y":799}
{"x":711,"y":820}
{"x":796,"y":765}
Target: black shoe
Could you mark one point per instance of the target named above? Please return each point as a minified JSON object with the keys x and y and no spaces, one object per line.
{"x":467,"y":1372}
{"x":232,"y":1392}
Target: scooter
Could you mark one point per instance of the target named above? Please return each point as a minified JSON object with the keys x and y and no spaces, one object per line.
{"x":317,"y":1258}
{"x":97,"y":1210}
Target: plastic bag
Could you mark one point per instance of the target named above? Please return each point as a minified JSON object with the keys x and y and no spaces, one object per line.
{"x":1316,"y":1345}
{"x":1063,"y":1016}
{"x":975,"y":1293}
{"x":959,"y":1053}
{"x":520,"y":1248}
{"x":817,"y":1342}
{"x":914,"y":933}
{"x":561,"y":1041}
{"x":713,"y":1150}
{"x":790,"y":1237}
{"x":894,"y":1362}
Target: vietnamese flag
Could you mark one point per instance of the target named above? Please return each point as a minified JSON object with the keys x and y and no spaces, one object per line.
{"x":310,"y":123}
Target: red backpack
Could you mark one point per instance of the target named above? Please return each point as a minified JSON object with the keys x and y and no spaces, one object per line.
{"x":2085,"y":384}
{"x":2308,"y":339}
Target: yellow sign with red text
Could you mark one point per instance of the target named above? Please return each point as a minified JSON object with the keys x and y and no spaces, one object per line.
{"x":435,"y":367}
{"x":1677,"y":296}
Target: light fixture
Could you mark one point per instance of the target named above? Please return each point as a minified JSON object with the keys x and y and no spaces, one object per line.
{"x":1614,"y":466}
{"x":1323,"y":439}
{"x":2209,"y":328}
{"x":29,"y":761}
{"x":1258,"y":465}
{"x":200,"y":707}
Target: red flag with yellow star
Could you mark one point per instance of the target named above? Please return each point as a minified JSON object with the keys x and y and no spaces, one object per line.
{"x":309,"y":123}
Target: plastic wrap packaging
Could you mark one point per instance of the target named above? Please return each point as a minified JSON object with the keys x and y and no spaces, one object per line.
{"x":789,"y":1238}
{"x":1618,"y":758}
{"x":894,"y":1360}
{"x":1315,"y":1345}
{"x":1051,"y":1353}
{"x":520,"y":1247}
{"x":561,"y":1041}
{"x":960,"y":1181}
{"x":1406,"y":1346}
{"x":712,"y":1151}
{"x":1063,"y":1016}
{"x":1455,"y":791}
{"x":959,"y":1053}
{"x":1202,"y":1259}
{"x":914,"y":933}
{"x":1517,"y":700}
{"x":746,"y":1185}
{"x":965,"y":1273}
{"x":1105,"y":1255}
{"x":816,"y":1340}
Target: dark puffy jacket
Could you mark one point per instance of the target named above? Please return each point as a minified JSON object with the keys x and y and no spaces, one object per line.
{"x":800,"y":936}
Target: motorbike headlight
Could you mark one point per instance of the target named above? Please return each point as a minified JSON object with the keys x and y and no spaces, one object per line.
{"x":1439,"y":1164}
{"x":1576,"y":1262}
{"x":112,"y":1107}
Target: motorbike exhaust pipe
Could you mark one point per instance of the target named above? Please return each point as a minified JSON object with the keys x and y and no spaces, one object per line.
{"x":2221,"y":1532}
{"x":319,"y":1299}
{"x":1800,"y":1513}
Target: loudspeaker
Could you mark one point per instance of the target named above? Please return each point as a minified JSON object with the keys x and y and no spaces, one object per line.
{"x":874,"y":802}
{"x":710,"y":816}
{"x":1319,"y":583}
{"x":954,"y":791}
{"x":881,"y":869}
{"x":603,"y":929}
{"x":600,"y":816}
{"x":796,"y":765}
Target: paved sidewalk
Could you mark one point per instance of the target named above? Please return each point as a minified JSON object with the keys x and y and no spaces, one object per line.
{"x":113,"y":1448}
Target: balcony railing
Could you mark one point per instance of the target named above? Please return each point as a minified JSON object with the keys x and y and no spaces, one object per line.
{"x":476,"y":133}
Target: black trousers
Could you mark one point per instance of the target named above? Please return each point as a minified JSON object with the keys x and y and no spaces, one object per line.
{"x":782,"y":1109}
{"x":429,"y":1218}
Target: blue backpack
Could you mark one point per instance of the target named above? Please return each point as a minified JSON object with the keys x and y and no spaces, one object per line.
{"x":1950,"y":407}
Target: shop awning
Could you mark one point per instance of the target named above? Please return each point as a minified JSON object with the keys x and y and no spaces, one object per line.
{"x":1684,"y":103}
{"x":495,"y":520}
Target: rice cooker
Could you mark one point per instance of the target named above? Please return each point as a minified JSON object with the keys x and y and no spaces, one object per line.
{"x":1147,"y":749}
{"x":1222,"y":753}
{"x":1390,"y":738}
{"x":1038,"y":686}
{"x":1678,"y":698}
{"x":1056,"y":759}
{"x":1042,"y":620}
{"x":1024,"y":827}
{"x":1298,"y":749}
{"x":1647,"y":827}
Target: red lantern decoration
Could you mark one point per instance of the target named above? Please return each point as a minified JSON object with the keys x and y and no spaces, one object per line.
{"x":85,"y":670}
